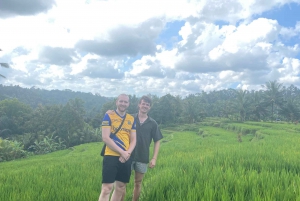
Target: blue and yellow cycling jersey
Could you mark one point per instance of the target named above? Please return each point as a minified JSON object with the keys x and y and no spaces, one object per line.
{"x":122,"y":138}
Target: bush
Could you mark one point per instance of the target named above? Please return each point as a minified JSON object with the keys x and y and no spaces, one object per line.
{"x":47,"y":145}
{"x":216,"y":125}
{"x":10,"y":150}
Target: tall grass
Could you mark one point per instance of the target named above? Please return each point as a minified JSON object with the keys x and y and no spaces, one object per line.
{"x":219,"y":167}
{"x":63,"y":175}
{"x":191,"y":166}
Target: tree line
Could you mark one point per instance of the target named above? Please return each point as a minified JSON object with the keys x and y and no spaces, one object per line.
{"x":33,"y":121}
{"x":35,"y":96}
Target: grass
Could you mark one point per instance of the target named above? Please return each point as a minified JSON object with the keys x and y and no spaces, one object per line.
{"x":221,"y":164}
{"x":62,"y":175}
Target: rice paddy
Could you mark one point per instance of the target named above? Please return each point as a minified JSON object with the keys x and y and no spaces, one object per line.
{"x":206,"y":161}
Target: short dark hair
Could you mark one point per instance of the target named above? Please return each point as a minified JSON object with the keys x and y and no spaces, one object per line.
{"x":147,"y":99}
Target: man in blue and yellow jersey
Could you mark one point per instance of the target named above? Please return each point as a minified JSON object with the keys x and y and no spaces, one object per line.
{"x":116,"y":161}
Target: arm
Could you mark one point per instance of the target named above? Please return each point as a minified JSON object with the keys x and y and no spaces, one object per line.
{"x":126,"y":155}
{"x":155,"y":154}
{"x":132,"y":141}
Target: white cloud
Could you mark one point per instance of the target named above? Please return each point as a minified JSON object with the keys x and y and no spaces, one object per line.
{"x":116,"y":46}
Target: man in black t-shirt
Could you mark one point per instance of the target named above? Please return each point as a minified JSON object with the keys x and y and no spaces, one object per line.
{"x":146,"y":131}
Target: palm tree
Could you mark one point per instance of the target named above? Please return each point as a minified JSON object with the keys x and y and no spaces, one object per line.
{"x":5,"y":65}
{"x":242,"y":103}
{"x":258,"y":105}
{"x":291,"y":107}
{"x":274,"y":95}
{"x":290,"y":110}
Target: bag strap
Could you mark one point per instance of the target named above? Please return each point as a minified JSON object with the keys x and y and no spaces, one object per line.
{"x":119,"y":126}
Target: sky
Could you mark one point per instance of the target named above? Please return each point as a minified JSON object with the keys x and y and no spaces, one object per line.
{"x":154,"y":47}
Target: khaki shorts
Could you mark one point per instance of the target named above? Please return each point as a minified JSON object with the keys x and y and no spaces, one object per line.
{"x":139,"y":167}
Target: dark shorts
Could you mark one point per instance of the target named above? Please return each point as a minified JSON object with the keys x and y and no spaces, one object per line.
{"x":113,"y":170}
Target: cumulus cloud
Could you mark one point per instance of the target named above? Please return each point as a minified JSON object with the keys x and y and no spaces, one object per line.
{"x":125,"y":40}
{"x":11,"y":8}
{"x":111,"y":47}
{"x":57,"y":56}
{"x":98,"y":68}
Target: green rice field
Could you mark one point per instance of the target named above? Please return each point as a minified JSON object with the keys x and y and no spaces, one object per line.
{"x":209,"y":161}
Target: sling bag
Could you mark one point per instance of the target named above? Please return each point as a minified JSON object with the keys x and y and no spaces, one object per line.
{"x":104,"y":146}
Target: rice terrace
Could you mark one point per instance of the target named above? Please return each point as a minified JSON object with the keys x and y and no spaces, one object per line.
{"x":211,"y":160}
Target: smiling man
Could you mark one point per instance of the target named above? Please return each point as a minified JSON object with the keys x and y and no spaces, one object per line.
{"x":119,"y":146}
{"x":147,"y":131}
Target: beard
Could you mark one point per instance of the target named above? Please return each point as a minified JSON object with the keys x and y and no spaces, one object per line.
{"x":122,"y":108}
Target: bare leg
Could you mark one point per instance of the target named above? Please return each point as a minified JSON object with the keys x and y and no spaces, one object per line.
{"x":138,"y":178}
{"x":105,"y":192}
{"x":123,"y":196}
{"x":119,"y":191}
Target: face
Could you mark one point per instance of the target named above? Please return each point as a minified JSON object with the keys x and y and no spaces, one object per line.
{"x":122,"y":103}
{"x":144,"y":107}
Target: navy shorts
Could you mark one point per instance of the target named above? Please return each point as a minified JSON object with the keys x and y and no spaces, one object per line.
{"x":113,"y":170}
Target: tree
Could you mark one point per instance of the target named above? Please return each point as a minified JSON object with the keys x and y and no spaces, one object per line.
{"x":226,"y":108}
{"x":44,"y":118}
{"x":258,"y":107}
{"x":70,"y":122}
{"x":133,"y":106}
{"x":290,"y":110}
{"x":192,"y":108}
{"x":274,"y":95}
{"x":78,"y":106}
{"x":242,"y":103}
{"x":14,"y":116}
{"x":165,"y":109}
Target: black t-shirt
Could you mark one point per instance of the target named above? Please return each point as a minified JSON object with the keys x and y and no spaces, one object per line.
{"x":145,"y":133}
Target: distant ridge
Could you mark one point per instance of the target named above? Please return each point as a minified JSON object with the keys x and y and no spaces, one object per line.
{"x":35,"y":96}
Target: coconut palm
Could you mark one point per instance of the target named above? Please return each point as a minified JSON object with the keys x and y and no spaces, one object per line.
{"x":291,"y":110}
{"x":242,"y":103}
{"x":258,"y":105}
{"x":274,"y":95}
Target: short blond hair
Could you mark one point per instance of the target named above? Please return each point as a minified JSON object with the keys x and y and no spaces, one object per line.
{"x":122,"y":95}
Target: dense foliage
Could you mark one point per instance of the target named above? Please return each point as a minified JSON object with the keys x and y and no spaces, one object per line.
{"x":44,"y":121}
{"x":35,"y":97}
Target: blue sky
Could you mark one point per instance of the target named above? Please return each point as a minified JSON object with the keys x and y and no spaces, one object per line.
{"x":169,"y":35}
{"x":287,"y":15}
{"x":138,"y":47}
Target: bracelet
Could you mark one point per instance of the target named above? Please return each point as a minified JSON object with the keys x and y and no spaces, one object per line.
{"x":154,"y":158}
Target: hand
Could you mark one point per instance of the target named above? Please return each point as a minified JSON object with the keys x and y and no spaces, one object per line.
{"x":152,"y":163}
{"x":125,"y":155}
{"x":121,"y":159}
{"x":109,"y":111}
